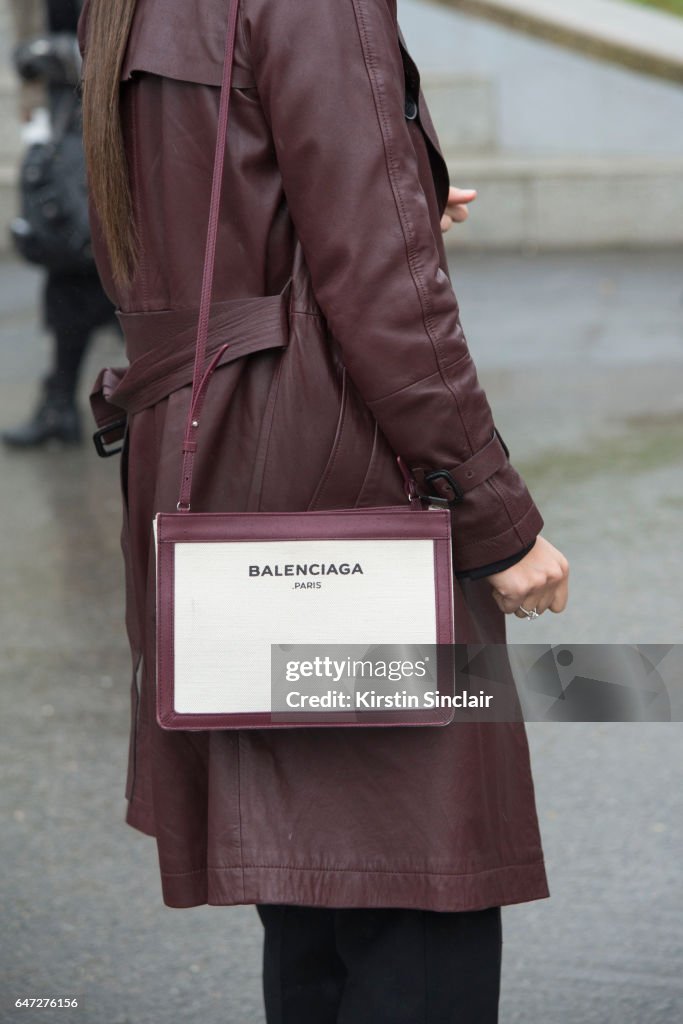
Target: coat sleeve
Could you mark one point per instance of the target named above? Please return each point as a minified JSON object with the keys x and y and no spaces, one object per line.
{"x":331,"y":82}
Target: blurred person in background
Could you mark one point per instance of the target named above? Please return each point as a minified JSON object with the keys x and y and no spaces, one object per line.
{"x":74,"y":304}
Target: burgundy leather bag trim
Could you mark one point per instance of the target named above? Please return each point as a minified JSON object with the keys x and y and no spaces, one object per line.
{"x":389,"y":523}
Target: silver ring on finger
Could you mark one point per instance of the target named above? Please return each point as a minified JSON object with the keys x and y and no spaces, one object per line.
{"x":533,"y":614}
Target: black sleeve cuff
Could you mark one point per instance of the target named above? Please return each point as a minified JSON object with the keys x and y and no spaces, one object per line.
{"x":488,"y":570}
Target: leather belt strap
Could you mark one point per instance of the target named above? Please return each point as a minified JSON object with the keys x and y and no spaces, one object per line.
{"x":161,"y":347}
{"x":466,"y":475}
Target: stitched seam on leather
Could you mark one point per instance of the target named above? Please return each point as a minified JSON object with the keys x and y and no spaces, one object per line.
{"x":497,"y":536}
{"x":375,"y":536}
{"x":491,"y":480}
{"x":422,"y":380}
{"x":406,"y":225}
{"x":357,"y":871}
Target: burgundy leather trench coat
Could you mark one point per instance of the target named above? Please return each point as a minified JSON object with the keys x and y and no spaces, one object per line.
{"x":332,"y":198}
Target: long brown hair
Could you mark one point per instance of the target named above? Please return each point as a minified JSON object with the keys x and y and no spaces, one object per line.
{"x":107,"y":28}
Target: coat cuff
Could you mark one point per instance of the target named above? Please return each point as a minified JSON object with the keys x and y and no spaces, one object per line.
{"x":484,"y":490}
{"x":495,"y":567}
{"x":470,"y":554}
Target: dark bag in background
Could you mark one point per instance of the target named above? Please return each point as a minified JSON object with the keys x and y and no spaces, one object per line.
{"x":53,"y":228}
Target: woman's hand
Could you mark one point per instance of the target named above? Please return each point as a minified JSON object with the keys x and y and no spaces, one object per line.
{"x":456,"y":208}
{"x":539,"y":581}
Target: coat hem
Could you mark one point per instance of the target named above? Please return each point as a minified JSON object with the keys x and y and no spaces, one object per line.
{"x":141,"y":817}
{"x":315,"y":887}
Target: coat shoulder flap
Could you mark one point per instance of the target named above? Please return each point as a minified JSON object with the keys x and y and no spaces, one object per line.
{"x":185,"y":41}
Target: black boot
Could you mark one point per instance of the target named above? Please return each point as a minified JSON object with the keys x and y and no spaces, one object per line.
{"x":56,"y":417}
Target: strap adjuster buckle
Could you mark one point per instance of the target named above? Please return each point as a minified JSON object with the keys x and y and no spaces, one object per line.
{"x":103,"y":440}
{"x":446,"y":502}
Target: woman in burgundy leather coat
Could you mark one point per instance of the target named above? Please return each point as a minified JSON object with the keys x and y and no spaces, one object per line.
{"x":379,"y":859}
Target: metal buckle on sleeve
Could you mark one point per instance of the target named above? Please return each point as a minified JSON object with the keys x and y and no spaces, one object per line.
{"x":102,"y":445}
{"x":434,"y":499}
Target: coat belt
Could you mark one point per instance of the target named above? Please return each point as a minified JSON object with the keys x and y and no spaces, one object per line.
{"x":161,"y":349}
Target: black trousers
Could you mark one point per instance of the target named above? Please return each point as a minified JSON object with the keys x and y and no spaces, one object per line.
{"x":74,"y":305}
{"x":384,"y":966}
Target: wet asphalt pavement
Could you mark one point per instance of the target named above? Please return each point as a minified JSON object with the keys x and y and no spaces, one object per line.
{"x":582,"y":358}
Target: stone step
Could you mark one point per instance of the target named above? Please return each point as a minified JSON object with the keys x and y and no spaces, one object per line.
{"x":544,"y":203}
{"x":463,"y":108}
{"x":647,"y":40}
{"x":569,"y":202}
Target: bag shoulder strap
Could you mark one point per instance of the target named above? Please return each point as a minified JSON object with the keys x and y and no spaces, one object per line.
{"x":201,"y":377}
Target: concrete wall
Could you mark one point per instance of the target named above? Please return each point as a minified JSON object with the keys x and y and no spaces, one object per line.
{"x":547,"y":99}
{"x":565,"y":151}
